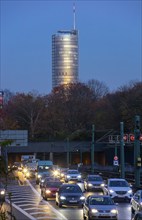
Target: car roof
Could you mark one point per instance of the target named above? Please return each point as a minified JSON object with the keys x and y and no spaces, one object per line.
{"x":69,"y":184}
{"x":96,"y":175}
{"x":53,"y":182}
{"x":99,"y":196}
{"x":116,"y":179}
{"x":72,"y":170}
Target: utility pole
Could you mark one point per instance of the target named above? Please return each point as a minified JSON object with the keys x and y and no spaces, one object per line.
{"x":122,"y":173}
{"x":115,"y":147}
{"x":137,"y":153}
{"x":92,"y":149}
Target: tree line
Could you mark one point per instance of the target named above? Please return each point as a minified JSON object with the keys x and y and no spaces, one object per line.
{"x":70,"y":110}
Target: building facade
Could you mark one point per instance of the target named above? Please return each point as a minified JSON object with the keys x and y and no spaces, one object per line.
{"x":65,"y":58}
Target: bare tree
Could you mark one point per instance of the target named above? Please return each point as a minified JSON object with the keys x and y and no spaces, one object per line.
{"x":99,"y":88}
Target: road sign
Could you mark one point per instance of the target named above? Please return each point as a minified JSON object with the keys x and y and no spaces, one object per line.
{"x":115,"y":158}
{"x":115,"y":163}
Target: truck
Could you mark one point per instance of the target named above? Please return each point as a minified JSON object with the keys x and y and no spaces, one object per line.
{"x":43,"y":167}
{"x":27,"y":158}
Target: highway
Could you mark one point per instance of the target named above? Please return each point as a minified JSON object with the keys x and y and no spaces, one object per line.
{"x":27,"y":203}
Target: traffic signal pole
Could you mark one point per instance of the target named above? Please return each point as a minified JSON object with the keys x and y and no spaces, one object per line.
{"x":92,"y":149}
{"x":137,"y":158}
{"x":122,"y":171}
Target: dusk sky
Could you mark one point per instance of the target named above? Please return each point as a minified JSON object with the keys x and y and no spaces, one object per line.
{"x":109,"y":42}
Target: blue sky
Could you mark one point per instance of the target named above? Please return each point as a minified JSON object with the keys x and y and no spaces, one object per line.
{"x":109,"y":42}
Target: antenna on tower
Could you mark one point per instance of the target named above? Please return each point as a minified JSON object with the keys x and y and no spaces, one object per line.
{"x":74,"y":16}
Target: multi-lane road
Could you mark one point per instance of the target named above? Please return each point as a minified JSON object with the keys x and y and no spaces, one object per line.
{"x":26,"y":203}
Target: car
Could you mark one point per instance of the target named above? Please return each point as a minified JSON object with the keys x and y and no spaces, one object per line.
{"x":136,"y":201}
{"x":29,"y":174}
{"x":16,"y":166}
{"x":99,"y":207}
{"x":45,"y":180}
{"x":49,"y":190}
{"x":72,"y":175}
{"x":137,"y":216}
{"x":69,"y":195}
{"x":2,"y":192}
{"x":94,"y":182}
{"x":43,"y":177}
{"x":119,"y":189}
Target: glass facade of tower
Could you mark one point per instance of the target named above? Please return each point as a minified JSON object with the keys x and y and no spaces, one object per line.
{"x":64,"y":58}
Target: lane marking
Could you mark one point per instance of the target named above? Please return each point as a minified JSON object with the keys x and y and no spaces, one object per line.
{"x":25,"y":205}
{"x":33,"y":208}
{"x":46,"y":217}
{"x":32,"y":203}
{"x":22,"y":211}
{"x":37,"y":193}
{"x":35,"y":213}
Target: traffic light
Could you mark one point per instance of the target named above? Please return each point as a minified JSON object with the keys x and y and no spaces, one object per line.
{"x":140,"y":138}
{"x":138,"y":162}
{"x":125,"y":137}
{"x":131,"y":137}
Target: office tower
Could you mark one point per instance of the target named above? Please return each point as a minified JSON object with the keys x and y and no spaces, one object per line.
{"x":65,"y":57}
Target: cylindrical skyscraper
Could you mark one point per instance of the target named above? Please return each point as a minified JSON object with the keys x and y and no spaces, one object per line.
{"x":64,"y":58}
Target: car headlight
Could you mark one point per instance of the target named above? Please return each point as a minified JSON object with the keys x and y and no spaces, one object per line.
{"x":62,"y":174}
{"x":2,"y":192}
{"x":114,"y":211}
{"x":27,"y":174}
{"x":130,"y":191}
{"x":39,"y":176}
{"x":102,"y":184}
{"x":25,"y":170}
{"x":79,"y":176}
{"x":82,"y":198}
{"x":68,"y":176}
{"x":62,"y":197}
{"x":89,"y":184}
{"x":42,"y":180}
{"x":48,"y":191}
{"x":56,"y":173}
{"x":94,"y":210}
{"x":111,"y":191}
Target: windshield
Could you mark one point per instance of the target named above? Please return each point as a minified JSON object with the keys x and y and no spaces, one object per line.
{"x":119,"y":183}
{"x":44,"y":168}
{"x":101,"y":201}
{"x":54,"y":184}
{"x":71,"y":189}
{"x":73,"y":172}
{"x":95,"y":178}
